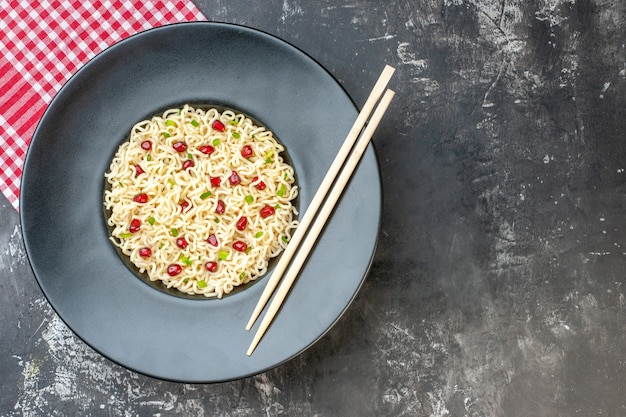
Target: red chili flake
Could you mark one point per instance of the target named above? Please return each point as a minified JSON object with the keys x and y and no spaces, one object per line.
{"x":145,"y":252}
{"x":135,"y":224}
{"x":221,"y":207}
{"x":234,"y":178}
{"x":181,"y":242}
{"x":260,"y":185}
{"x":267,"y":211}
{"x":212,"y":240}
{"x":218,"y":125}
{"x":180,"y":146}
{"x":146,"y":145}
{"x":183,"y":205}
{"x":174,"y":269}
{"x":242,"y":223}
{"x":188,"y":164}
{"x":206,"y":149}
{"x":246,"y":151}
{"x":138,"y":171}
{"x":215,"y":181}
{"x":240,"y":246}
{"x":211,"y":266}
{"x":141,"y":198}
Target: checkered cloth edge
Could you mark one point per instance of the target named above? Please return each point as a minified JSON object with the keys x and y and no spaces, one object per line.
{"x":43,"y":43}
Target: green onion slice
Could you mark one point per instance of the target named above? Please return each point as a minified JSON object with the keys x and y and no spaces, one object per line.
{"x":249,"y":199}
{"x":236,"y":135}
{"x":202,"y":284}
{"x":205,"y":195}
{"x":169,"y":122}
{"x":222,"y":255}
{"x":126,"y":235}
{"x":151,"y":220}
{"x":195,"y":123}
{"x":174,"y":231}
{"x":258,"y":234}
{"x":185,"y":259}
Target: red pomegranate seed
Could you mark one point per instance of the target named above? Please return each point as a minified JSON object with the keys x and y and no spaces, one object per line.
{"x":242,"y":223}
{"x":215,"y":181}
{"x":180,"y":146}
{"x":206,"y":149}
{"x":212,"y":240}
{"x":146,"y":145}
{"x":211,"y":266}
{"x":174,"y":269}
{"x":218,"y":125}
{"x":145,"y":252}
{"x":267,"y":211}
{"x":188,"y":164}
{"x":141,"y":198}
{"x":234,"y":178}
{"x":220,"y":208}
{"x":260,"y":185}
{"x":183,"y":206}
{"x":138,"y":171}
{"x":181,"y":242}
{"x":135,"y":224}
{"x":246,"y":151}
{"x":240,"y":246}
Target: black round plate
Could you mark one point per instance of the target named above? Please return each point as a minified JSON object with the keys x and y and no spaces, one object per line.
{"x":64,"y":228}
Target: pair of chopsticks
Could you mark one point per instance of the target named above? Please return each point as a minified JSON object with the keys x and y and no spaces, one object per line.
{"x":349,"y":165}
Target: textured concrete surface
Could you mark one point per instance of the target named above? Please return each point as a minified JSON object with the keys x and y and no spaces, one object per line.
{"x":496,"y":289}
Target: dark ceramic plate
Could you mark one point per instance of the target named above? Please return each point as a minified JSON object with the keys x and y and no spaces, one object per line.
{"x":102,"y":300}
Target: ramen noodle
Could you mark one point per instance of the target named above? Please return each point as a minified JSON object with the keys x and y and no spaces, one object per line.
{"x":200,"y":199}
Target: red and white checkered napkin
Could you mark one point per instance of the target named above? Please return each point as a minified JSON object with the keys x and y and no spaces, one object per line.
{"x":44,"y":42}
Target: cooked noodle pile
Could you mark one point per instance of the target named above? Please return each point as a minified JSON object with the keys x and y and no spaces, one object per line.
{"x":200,"y":200}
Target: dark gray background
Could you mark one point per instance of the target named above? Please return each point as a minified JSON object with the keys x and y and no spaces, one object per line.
{"x":496,"y":289}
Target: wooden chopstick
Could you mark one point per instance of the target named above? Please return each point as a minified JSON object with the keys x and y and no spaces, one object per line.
{"x":321,"y":192}
{"x":322,"y":217}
